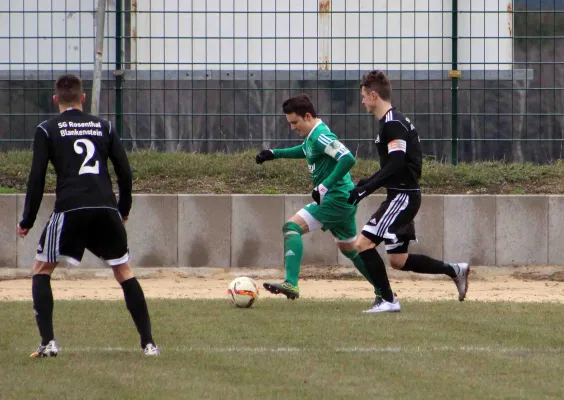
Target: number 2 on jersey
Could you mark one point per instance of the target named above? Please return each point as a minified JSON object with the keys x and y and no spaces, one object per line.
{"x":90,"y":150}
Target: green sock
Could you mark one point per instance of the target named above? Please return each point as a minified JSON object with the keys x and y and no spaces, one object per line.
{"x":293,"y":250}
{"x":359,"y":264}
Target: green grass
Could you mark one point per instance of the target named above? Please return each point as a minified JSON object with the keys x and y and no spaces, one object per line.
{"x":156,"y":172}
{"x":294,"y":350}
{"x":7,"y":190}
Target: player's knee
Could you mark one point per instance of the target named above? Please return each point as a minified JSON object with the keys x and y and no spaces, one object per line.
{"x":43,"y":268}
{"x":363,"y":243}
{"x":122,"y":272}
{"x":291,"y":228}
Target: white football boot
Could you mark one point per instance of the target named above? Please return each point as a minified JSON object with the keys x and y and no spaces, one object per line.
{"x":49,"y":350}
{"x":151,"y":350}
{"x":381,"y":305}
{"x":461,"y":280}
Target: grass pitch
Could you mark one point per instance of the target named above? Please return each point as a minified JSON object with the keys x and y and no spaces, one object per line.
{"x":293,"y":350}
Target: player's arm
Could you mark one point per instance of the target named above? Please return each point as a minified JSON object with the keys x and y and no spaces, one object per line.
{"x":291,"y":152}
{"x":123,"y":172}
{"x":397,"y":145}
{"x":345,"y":161}
{"x":36,"y":179}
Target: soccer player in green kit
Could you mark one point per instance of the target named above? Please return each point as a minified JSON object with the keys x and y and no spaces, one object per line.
{"x":329,"y":163}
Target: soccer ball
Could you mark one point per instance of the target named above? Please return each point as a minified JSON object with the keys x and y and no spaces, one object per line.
{"x":243,"y":292}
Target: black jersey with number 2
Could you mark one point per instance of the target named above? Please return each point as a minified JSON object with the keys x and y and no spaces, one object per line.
{"x":79,"y":146}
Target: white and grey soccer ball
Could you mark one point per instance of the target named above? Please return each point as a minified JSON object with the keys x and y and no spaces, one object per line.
{"x":243,"y":292}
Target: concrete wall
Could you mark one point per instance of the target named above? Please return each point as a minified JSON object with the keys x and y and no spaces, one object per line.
{"x":245,"y":230}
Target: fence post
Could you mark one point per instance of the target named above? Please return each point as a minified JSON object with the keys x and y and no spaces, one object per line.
{"x":99,"y":57}
{"x":454,"y":74}
{"x":119,"y":72}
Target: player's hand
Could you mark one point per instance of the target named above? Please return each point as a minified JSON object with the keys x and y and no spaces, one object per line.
{"x":356,"y":195}
{"x":124,"y":219}
{"x":22,"y":232}
{"x":362,"y":182}
{"x":265,"y":155}
{"x":319,"y":193}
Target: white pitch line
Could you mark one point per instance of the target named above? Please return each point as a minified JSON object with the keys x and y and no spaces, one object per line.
{"x":407,"y":350}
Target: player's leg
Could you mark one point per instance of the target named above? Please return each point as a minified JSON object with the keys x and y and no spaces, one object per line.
{"x":43,"y":308}
{"x":366,"y":244}
{"x":386,"y":300}
{"x":345,"y":235}
{"x":301,"y":223}
{"x":398,"y":236}
{"x":348,"y":249}
{"x":293,"y":230}
{"x":53,"y":240}
{"x":423,"y":264}
{"x":108,"y":240}
{"x":136,"y":305}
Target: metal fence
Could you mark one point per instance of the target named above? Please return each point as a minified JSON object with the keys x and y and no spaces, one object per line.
{"x":479,"y":79}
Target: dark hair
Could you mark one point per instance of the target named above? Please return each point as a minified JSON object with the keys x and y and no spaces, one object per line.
{"x":300,"y":104}
{"x":68,"y":89}
{"x":377,"y":81}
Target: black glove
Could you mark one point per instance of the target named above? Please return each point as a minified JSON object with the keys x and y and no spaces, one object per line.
{"x":265,"y":155}
{"x":362,"y":182}
{"x":319,"y":193}
{"x":356,"y":195}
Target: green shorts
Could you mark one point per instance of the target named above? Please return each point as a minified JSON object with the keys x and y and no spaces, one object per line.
{"x":334,"y":214}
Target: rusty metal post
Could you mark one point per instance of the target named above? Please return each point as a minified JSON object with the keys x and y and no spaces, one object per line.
{"x":324,"y":35}
{"x":99,"y":57}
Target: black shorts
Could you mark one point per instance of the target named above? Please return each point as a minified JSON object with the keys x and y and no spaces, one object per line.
{"x":393,"y":222}
{"x":68,"y":233}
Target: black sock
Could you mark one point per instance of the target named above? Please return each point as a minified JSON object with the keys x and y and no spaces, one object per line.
{"x":43,"y":306}
{"x":427,"y":265}
{"x":377,"y":270}
{"x":137,"y":306}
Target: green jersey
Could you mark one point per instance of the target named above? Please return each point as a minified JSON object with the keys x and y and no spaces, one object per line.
{"x":323,"y":150}
{"x":329,"y":162}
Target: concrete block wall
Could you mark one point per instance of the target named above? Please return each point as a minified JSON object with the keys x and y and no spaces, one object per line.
{"x":245,"y":230}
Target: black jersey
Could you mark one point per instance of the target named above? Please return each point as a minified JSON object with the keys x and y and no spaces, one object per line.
{"x":78,"y":145}
{"x":397,"y":133}
{"x":401,"y":158}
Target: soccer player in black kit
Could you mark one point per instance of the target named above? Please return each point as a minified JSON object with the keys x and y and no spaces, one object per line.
{"x":86,"y":214}
{"x":400,"y":154}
